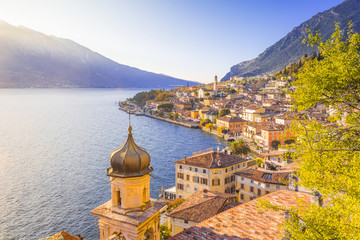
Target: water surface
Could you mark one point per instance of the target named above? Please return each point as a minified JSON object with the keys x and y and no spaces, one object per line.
{"x":54,"y":150}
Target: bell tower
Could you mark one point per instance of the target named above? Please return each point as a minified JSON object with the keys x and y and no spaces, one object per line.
{"x":216,"y":85}
{"x":130,"y":211}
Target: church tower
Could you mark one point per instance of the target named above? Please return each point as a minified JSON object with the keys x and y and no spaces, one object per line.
{"x":130,"y":213}
{"x":216,"y":85}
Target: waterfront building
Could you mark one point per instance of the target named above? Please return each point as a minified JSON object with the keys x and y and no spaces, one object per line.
{"x":198,"y":207}
{"x":209,"y":170}
{"x":130,"y":212}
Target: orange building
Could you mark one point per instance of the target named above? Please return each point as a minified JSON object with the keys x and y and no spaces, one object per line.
{"x":274,"y":133}
{"x":234,"y":124}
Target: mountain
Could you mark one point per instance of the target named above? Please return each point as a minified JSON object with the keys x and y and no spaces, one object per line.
{"x":290,"y":48}
{"x":32,"y":59}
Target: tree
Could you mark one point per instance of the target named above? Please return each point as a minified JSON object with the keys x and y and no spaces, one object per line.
{"x":289,"y":141}
{"x":240,"y":147}
{"x":328,"y":155}
{"x":204,"y":122}
{"x":167,"y":107}
{"x":176,"y":115}
{"x":209,"y":125}
{"x":275,"y":144}
{"x":224,"y":112}
{"x":165,"y":231}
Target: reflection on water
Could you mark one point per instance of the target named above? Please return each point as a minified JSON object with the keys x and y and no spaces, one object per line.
{"x":54,"y":150}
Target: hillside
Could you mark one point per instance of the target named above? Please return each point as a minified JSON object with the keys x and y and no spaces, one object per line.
{"x":290,"y":48}
{"x":32,"y":59}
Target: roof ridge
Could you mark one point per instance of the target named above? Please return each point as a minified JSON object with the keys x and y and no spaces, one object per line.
{"x":192,"y":206}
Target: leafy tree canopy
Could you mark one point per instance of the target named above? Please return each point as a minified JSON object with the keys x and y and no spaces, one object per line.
{"x":328,"y":155}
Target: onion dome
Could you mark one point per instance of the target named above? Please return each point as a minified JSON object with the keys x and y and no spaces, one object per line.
{"x":130,"y":160}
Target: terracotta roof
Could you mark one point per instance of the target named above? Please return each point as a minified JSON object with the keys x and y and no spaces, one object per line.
{"x":211,"y":160}
{"x":246,"y":221}
{"x":203,"y":233}
{"x":265,"y":176}
{"x":62,"y":235}
{"x":231,"y":119}
{"x":197,"y":207}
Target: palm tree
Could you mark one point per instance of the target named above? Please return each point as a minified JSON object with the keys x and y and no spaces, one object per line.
{"x":240,"y":147}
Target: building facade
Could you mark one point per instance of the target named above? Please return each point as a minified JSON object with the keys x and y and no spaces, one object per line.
{"x":211,"y":170}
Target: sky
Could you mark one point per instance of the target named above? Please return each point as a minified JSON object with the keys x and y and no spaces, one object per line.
{"x":188,"y":39}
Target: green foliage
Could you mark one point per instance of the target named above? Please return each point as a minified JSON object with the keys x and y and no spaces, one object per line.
{"x":207,"y":94}
{"x":142,"y":97}
{"x":209,"y":125}
{"x":165,"y":231}
{"x":204,"y":122}
{"x":172,"y":205}
{"x":328,"y":156}
{"x":176,"y":115}
{"x":167,"y":107}
{"x":240,"y":147}
{"x":275,"y":144}
{"x":224,"y":112}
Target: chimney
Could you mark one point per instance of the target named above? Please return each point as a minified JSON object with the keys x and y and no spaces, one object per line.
{"x":80,"y":237}
{"x":316,"y":198}
{"x":218,"y":149}
{"x":205,"y":191}
{"x":185,"y":160}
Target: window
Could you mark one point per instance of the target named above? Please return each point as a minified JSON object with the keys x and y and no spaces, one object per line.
{"x":216,"y":182}
{"x":242,"y":186}
{"x":277,"y":187}
{"x":251,"y":189}
{"x":196,"y":169}
{"x":195,"y":179}
{"x":232,"y":178}
{"x":259,"y":192}
{"x":195,"y":189}
{"x":204,"y":170}
{"x":180,"y":166}
{"x":225,"y":169}
{"x":242,"y":179}
{"x":252,"y":181}
{"x":267,"y":185}
{"x":203,"y":181}
{"x":232,"y":190}
{"x":186,"y":221}
{"x":242,"y":196}
{"x":232,"y":168}
{"x":180,"y":186}
{"x":180,"y":175}
{"x":188,"y":177}
{"x":190,"y":168}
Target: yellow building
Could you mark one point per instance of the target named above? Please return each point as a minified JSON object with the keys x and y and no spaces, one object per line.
{"x":211,"y":170}
{"x":194,"y":114}
{"x":130,"y":211}
{"x":252,"y":183}
{"x":251,"y":112}
{"x":208,"y":101}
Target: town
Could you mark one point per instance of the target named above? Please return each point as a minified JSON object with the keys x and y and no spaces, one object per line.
{"x":253,"y":114}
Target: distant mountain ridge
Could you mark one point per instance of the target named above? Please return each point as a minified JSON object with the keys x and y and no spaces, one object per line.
{"x":290,"y":48}
{"x":32,"y":59}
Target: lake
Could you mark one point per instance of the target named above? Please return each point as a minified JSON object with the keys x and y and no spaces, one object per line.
{"x":55,"y":146}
